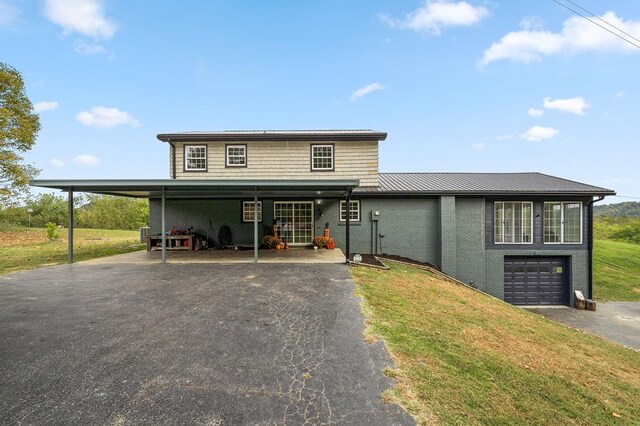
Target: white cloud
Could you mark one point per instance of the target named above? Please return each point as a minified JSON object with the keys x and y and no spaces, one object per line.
{"x":84,"y":48}
{"x":620,"y":94}
{"x":433,"y":16}
{"x":534,"y":112}
{"x":575,"y":105}
{"x":85,"y":160}
{"x":538,"y":133}
{"x":507,"y":137}
{"x":105,"y":118}
{"x":577,"y":35}
{"x":363,"y":91}
{"x":84,"y":17}
{"x":478,"y":146}
{"x":56,"y":163}
{"x":45,"y":106}
{"x":9,"y":13}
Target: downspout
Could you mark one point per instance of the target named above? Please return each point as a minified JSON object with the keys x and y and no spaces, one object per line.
{"x":173,"y":159}
{"x":347,"y":230}
{"x":590,"y":244}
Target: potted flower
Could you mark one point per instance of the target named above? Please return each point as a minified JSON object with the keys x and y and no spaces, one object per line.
{"x":320,"y":241}
{"x":331,"y":243}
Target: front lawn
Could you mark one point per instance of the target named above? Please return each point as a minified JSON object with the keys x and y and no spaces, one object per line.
{"x":29,"y":248}
{"x":616,"y":271}
{"x":466,"y":358}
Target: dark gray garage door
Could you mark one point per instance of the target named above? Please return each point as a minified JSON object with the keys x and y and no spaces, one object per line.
{"x":535,"y":280}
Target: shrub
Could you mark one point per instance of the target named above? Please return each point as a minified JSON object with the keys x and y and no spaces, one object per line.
{"x":320,"y":241}
{"x":52,"y":230}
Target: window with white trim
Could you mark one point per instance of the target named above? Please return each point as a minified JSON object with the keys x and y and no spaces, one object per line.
{"x":321,"y":157}
{"x":249,"y":211}
{"x":513,"y":222}
{"x":236,"y":155}
{"x":354,"y":211}
{"x":563,"y":223}
{"x":195,"y":158}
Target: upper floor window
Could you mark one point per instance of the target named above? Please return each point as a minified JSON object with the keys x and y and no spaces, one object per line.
{"x":236,"y":155}
{"x":321,"y":157}
{"x":563,"y":223}
{"x":249,"y":211}
{"x":513,"y":222}
{"x":195,"y":158}
{"x":354,"y":211}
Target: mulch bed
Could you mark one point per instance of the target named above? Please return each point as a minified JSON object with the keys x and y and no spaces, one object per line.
{"x":370,"y":259}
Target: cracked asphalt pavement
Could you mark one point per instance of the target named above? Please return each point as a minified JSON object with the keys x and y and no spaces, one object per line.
{"x":208,"y":344}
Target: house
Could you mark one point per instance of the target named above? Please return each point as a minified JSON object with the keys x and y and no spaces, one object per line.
{"x":525,"y":238}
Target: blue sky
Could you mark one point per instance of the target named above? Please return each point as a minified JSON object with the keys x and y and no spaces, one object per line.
{"x":495,"y":86}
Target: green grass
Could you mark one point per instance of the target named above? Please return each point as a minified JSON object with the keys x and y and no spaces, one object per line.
{"x":29,"y":248}
{"x":616,"y":271}
{"x":465,"y":358}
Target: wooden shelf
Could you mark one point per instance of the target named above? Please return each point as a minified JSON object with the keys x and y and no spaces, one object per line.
{"x":174,"y":242}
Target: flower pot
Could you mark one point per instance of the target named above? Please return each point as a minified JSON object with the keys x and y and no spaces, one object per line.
{"x":278,"y":247}
{"x":331,"y":246}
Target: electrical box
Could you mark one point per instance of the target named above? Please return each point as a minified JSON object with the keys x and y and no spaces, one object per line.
{"x":375,"y":215}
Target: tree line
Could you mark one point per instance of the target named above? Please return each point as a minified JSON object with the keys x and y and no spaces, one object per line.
{"x":90,"y":211}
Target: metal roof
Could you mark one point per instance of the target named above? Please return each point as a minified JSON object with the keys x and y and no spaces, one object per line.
{"x":204,"y":188}
{"x":275,"y":135}
{"x":480,"y":183}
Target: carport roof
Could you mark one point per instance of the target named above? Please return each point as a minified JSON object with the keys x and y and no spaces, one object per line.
{"x":152,"y":188}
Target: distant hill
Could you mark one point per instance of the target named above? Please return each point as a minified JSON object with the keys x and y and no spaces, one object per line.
{"x":626,"y":209}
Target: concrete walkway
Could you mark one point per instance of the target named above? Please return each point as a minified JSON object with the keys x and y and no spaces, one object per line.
{"x":292,"y":255}
{"x":238,"y":344}
{"x":616,"y":321}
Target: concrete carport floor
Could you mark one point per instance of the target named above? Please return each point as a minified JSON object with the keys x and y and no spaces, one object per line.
{"x":188,"y":343}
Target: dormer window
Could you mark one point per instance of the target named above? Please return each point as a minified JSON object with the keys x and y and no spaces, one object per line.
{"x":236,"y":155}
{"x":195,"y":158}
{"x":321,"y":157}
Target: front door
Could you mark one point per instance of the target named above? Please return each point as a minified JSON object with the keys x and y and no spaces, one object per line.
{"x":294,"y":220}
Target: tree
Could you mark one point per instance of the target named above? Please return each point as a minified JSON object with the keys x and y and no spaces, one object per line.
{"x":19,"y":127}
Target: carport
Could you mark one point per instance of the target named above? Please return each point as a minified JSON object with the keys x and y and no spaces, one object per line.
{"x":165,"y":189}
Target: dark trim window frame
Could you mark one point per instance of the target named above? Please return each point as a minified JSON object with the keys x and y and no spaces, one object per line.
{"x":563,"y":222}
{"x":235,"y":155}
{"x":248,"y":212}
{"x":513,"y":222}
{"x":195,"y":158}
{"x":322,"y":157}
{"x":354,"y":211}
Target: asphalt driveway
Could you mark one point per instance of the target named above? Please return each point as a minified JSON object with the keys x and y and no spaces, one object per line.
{"x":188,"y":344}
{"x":616,"y":321}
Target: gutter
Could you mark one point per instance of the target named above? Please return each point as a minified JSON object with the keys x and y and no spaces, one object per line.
{"x":590,"y":245}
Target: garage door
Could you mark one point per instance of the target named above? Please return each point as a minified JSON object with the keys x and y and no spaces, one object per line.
{"x":535,"y":280}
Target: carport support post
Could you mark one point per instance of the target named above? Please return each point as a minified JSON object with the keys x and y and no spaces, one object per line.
{"x":70,"y":227}
{"x":164,"y":226}
{"x":255,"y":225}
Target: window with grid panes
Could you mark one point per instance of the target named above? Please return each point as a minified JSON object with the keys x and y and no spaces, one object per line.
{"x":513,"y":222}
{"x":195,"y":157}
{"x":236,"y":155}
{"x":322,"y":157}
{"x":354,"y":211}
{"x":249,"y":211}
{"x":563,"y":222}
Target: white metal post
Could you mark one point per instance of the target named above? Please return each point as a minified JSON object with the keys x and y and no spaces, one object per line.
{"x":70,"y":227}
{"x":164,"y":227}
{"x":255,"y":225}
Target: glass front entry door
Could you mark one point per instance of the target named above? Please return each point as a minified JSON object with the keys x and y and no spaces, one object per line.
{"x":294,"y":220}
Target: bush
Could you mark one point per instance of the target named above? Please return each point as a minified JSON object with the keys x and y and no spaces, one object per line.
{"x":52,"y":230}
{"x":320,"y":241}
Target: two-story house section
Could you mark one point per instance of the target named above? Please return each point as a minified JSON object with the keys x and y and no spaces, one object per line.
{"x":525,"y":238}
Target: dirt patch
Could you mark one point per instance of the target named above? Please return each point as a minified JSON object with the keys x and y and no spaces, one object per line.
{"x":409,"y":260}
{"x":369,"y":259}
